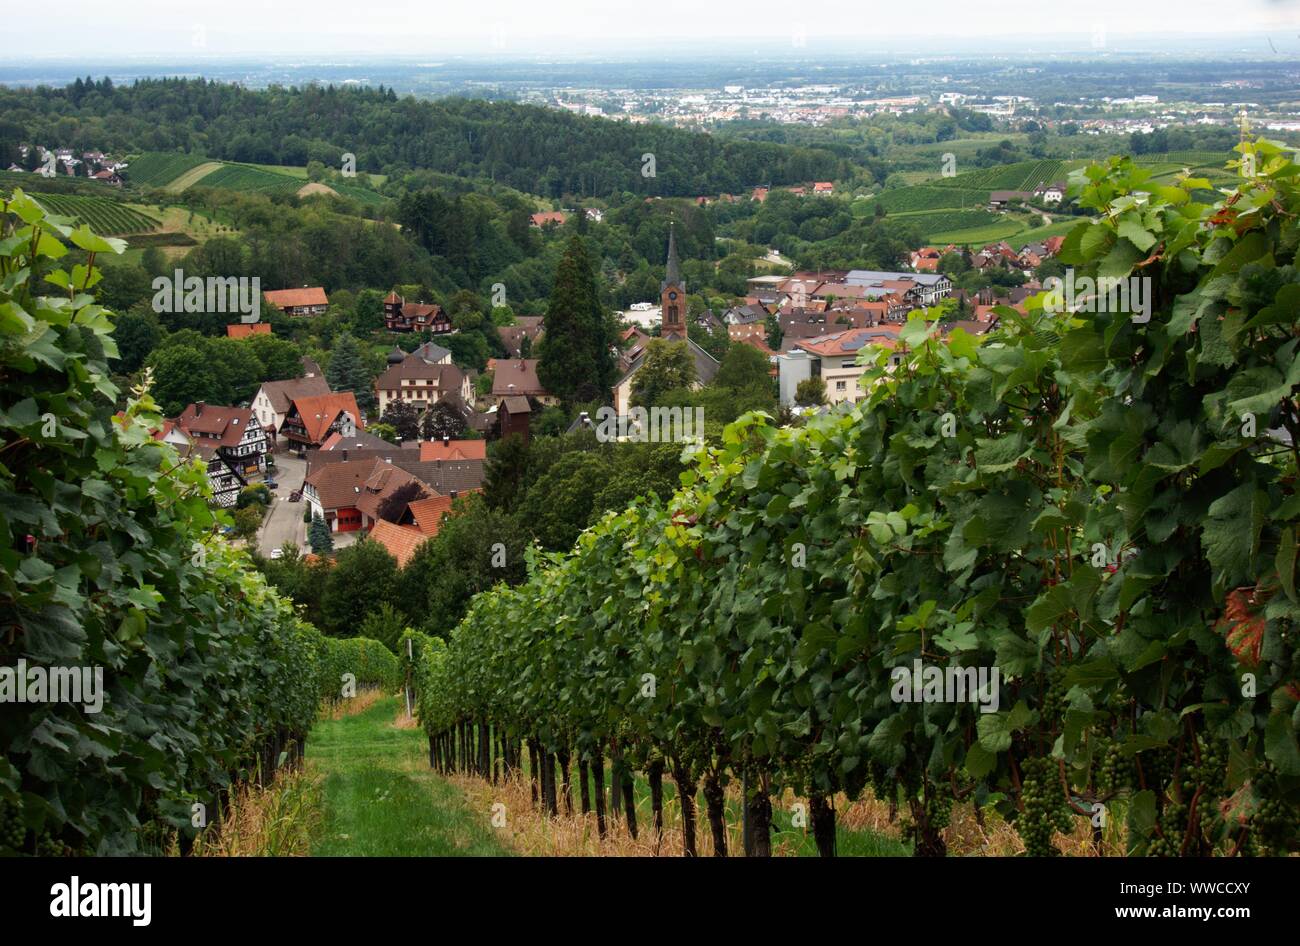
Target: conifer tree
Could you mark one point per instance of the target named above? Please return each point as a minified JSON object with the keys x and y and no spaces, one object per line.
{"x":576,"y":351}
{"x":319,"y":536}
{"x":347,"y":372}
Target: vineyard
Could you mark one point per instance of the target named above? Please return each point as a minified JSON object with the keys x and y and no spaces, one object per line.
{"x":931,"y":197}
{"x":1022,"y":176}
{"x":113,"y":564}
{"x":938,"y":221}
{"x":158,"y":169}
{"x":979,"y":235}
{"x":243,"y":177}
{"x":105,"y":217}
{"x":1048,"y":572}
{"x":1190,"y":159}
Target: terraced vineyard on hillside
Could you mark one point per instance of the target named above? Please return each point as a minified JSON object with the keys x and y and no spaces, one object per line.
{"x":1021,"y":176}
{"x":245,"y":177}
{"x":179,"y":172}
{"x":106,"y":217}
{"x":158,"y":169}
{"x":932,"y":197}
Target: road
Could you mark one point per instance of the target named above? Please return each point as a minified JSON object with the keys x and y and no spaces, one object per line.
{"x":284,"y":521}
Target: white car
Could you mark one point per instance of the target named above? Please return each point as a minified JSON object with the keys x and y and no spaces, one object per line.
{"x":277,"y":553}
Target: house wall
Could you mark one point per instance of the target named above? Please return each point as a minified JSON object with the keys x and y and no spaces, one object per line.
{"x":792,"y":368}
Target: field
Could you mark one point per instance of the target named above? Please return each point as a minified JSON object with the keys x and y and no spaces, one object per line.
{"x":1191,"y":159}
{"x":989,"y":233}
{"x":247,"y":178}
{"x":950,"y":210}
{"x":106,"y":217}
{"x":928,"y":197}
{"x":179,"y":172}
{"x":192,"y":176}
{"x":935,"y":221}
{"x":158,"y":169}
{"x":1021,"y":176}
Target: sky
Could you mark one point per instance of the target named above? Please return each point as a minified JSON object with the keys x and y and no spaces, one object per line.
{"x":164,"y":29}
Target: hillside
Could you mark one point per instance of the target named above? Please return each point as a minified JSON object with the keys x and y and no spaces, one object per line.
{"x":954,"y":209}
{"x":531,"y":148}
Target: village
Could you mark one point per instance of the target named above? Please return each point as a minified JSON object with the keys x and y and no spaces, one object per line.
{"x":325,"y":480}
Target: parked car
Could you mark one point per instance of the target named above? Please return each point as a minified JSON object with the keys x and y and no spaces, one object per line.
{"x":277,"y":553}
{"x":295,"y":496}
{"x":272,"y":484}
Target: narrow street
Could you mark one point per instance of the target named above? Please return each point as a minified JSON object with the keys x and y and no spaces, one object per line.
{"x":284,"y":521}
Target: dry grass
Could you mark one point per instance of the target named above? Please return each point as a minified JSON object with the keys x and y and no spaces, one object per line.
{"x":965,"y":836}
{"x":280,"y":820}
{"x":530,"y":833}
{"x":351,"y":707}
{"x":401,"y":720}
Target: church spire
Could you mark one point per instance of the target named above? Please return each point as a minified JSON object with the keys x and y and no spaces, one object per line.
{"x":673,"y":273}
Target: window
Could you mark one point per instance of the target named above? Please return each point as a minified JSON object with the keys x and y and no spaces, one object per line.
{"x":840,"y":385}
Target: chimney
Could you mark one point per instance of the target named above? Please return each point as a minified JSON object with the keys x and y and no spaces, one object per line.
{"x":345,"y":454}
{"x":446,"y":439}
{"x":453,"y":494}
{"x":198,"y":408}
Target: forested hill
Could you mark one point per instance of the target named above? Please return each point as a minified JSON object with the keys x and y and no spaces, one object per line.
{"x":539,"y":150}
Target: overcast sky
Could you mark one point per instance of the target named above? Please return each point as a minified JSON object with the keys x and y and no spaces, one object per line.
{"x":164,"y":28}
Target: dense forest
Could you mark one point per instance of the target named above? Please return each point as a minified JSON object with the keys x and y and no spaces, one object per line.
{"x":539,"y":150}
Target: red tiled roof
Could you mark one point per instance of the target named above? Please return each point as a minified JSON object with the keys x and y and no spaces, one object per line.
{"x":281,"y":394}
{"x":428,"y":513}
{"x":401,"y":541}
{"x":516,"y":376}
{"x":549,"y":216}
{"x":445,"y":377}
{"x":317,"y":413}
{"x":359,"y":484}
{"x":245,"y":329}
{"x":215,"y":421}
{"x":288,"y":298}
{"x":453,"y":450}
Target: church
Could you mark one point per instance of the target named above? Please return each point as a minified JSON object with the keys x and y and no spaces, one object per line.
{"x":672,"y":305}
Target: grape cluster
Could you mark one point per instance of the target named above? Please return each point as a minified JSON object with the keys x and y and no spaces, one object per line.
{"x":1053,"y":706}
{"x":1157,"y":767}
{"x":49,"y":845}
{"x":1045,"y":811}
{"x":1209,"y":774}
{"x":12,"y":830}
{"x":1173,"y":827}
{"x":1115,"y":771}
{"x":1272,"y":827}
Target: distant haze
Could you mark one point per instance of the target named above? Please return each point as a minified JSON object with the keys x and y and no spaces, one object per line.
{"x":131,"y":29}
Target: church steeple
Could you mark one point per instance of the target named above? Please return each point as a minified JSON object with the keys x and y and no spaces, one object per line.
{"x":673,"y":272}
{"x":672,"y":294}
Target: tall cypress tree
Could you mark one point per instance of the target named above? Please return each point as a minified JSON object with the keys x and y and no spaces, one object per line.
{"x":576,"y":359}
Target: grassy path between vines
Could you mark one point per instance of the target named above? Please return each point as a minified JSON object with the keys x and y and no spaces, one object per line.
{"x":380,"y":797}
